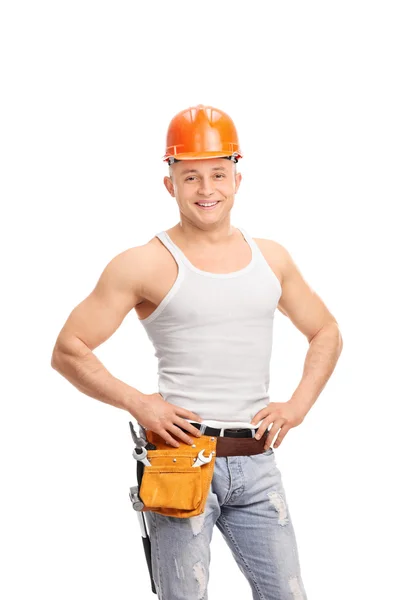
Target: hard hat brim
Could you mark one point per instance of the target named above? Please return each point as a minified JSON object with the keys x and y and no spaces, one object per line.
{"x":199,"y":155}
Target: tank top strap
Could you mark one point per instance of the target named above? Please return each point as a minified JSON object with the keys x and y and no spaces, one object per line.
{"x":254,"y":247}
{"x":259,"y":258}
{"x":164,"y":238}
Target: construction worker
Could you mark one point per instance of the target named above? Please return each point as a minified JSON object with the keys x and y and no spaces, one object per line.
{"x":206,"y":293}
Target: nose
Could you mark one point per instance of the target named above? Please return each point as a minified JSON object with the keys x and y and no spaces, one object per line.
{"x":206,"y":188}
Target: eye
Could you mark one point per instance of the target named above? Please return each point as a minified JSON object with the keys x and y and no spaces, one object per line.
{"x":192,"y":177}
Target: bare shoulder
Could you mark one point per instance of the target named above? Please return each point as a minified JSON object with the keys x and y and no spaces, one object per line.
{"x":273,"y":247}
{"x":118,"y":290}
{"x":131,"y":268}
{"x":276,"y":255}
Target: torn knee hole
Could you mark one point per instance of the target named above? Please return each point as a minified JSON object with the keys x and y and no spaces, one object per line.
{"x":280,"y":506}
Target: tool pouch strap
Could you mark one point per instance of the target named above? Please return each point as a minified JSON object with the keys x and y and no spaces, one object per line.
{"x":171,"y":486}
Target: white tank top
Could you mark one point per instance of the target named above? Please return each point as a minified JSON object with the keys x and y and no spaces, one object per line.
{"x":212,"y":335}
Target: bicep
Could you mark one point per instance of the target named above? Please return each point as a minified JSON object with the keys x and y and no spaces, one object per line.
{"x":99,"y":315}
{"x":300,"y":302}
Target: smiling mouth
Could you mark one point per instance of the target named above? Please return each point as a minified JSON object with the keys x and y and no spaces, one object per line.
{"x":207,"y":205}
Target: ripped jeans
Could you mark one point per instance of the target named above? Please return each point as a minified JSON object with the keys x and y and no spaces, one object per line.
{"x":247,"y":503}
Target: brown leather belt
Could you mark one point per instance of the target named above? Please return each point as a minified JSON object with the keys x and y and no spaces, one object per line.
{"x":235,"y":446}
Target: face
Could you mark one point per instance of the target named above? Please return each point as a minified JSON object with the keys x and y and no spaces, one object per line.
{"x":211,"y":181}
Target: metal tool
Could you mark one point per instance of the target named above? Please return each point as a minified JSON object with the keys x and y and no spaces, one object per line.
{"x":201,"y":459}
{"x":137,"y":504}
{"x":140,"y":440}
{"x":142,"y":445}
{"x":133,"y":495}
{"x":140,"y":453}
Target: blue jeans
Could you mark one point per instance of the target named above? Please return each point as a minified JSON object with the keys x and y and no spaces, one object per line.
{"x":247,"y":503}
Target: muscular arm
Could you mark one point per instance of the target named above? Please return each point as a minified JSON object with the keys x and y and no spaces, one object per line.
{"x":92,"y":322}
{"x":302,"y":305}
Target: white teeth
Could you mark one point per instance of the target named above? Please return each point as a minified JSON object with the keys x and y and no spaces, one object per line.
{"x":206,"y":203}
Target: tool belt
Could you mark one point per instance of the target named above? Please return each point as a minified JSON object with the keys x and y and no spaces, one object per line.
{"x":177,"y":481}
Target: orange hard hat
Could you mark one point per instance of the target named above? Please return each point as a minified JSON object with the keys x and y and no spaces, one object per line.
{"x":201,"y":132}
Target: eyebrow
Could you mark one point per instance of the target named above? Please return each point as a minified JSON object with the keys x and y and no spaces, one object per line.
{"x":195,"y":170}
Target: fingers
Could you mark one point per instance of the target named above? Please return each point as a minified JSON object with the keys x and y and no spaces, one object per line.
{"x":183,"y":412}
{"x":263,"y":427}
{"x":168,"y":438}
{"x":180,"y":434}
{"x":273,"y":431}
{"x":188,"y":426}
{"x":176,"y":413}
{"x":281,"y":435}
{"x":263,"y":413}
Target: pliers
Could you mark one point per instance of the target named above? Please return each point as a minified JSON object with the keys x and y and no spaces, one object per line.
{"x":142,"y":445}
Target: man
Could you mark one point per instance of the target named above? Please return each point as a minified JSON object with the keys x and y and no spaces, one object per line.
{"x":206,"y":293}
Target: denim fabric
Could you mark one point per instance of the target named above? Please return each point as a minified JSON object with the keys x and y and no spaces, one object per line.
{"x":247,"y":503}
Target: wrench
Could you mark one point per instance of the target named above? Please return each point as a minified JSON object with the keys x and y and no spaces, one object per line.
{"x":201,"y":459}
{"x":141,"y":454}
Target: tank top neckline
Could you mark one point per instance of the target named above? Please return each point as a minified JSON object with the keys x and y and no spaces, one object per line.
{"x":192,"y":267}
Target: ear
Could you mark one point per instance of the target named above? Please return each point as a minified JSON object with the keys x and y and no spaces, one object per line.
{"x":238,"y":179}
{"x":169,"y":185}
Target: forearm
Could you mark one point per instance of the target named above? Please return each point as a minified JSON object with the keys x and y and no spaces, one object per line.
{"x":321,"y":358}
{"x":77,"y":363}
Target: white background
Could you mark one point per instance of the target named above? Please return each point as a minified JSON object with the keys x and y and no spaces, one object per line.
{"x":88,"y":90}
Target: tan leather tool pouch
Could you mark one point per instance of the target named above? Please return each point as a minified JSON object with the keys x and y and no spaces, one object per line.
{"x":171,"y":485}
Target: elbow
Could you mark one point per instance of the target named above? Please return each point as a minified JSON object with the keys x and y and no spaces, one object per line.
{"x":330,"y":330}
{"x":340,"y":342}
{"x":55,"y":359}
{"x":338,"y":337}
{"x":67,"y":349}
{"x":337,"y":333}
{"x":60,"y":352}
